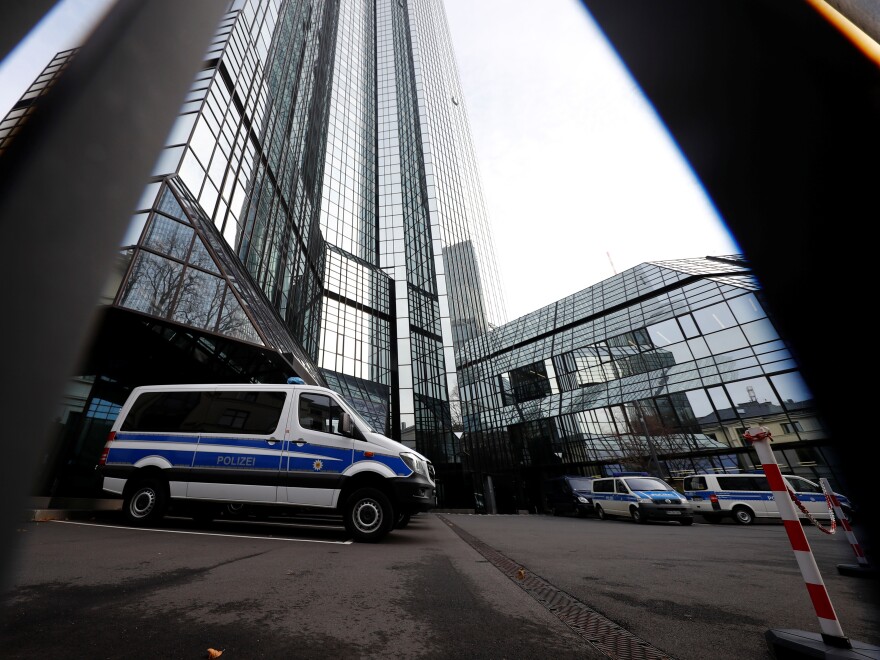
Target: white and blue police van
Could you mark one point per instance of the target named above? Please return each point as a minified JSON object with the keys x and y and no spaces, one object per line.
{"x":639,"y":496}
{"x":745,"y":497}
{"x":215,"y":449}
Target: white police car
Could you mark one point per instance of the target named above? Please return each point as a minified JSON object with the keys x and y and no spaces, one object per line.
{"x":641,"y":497}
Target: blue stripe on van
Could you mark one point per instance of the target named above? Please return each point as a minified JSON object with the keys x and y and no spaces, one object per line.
{"x":393,"y":463}
{"x":740,"y":495}
{"x":318,"y":458}
{"x":233,"y":452}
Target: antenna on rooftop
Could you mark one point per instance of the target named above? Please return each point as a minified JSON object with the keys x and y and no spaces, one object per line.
{"x":611,"y":262}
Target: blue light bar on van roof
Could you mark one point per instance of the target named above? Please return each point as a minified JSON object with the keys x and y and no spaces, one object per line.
{"x":630,"y":474}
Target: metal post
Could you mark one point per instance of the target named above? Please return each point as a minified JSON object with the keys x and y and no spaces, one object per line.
{"x":863,"y":567}
{"x":832,"y":633}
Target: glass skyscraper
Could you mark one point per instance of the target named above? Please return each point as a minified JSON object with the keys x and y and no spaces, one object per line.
{"x":316,"y":211}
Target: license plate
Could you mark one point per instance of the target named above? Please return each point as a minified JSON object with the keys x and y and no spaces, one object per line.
{"x":673,"y":513}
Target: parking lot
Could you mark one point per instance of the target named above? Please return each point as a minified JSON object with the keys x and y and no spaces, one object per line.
{"x":448,"y":585}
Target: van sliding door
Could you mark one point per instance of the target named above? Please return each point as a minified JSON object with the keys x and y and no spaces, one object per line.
{"x":240,"y":446}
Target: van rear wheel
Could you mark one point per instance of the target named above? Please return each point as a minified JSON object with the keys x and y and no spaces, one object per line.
{"x":368,"y":515}
{"x":144,"y":502}
{"x":743,"y":515}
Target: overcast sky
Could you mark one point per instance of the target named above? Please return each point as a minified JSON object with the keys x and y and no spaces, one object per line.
{"x":581,"y":180}
{"x":575,"y":164}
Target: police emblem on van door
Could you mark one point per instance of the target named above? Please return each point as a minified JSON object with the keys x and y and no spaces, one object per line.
{"x":318,"y":466}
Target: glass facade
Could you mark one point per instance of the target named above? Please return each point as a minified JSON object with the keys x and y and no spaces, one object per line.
{"x":660,"y":368}
{"x":316,"y":210}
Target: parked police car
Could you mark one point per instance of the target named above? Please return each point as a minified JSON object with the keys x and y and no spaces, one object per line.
{"x":641,"y":497}
{"x":290,"y":446}
{"x":568,"y":494}
{"x":745,"y":497}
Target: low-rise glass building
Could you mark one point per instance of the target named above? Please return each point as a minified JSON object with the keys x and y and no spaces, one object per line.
{"x":660,"y":368}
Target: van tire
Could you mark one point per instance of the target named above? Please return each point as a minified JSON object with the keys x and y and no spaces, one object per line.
{"x":600,"y":513}
{"x":402,"y":520}
{"x":743,"y":515}
{"x":637,"y":515}
{"x":145,"y":501}
{"x":368,"y":515}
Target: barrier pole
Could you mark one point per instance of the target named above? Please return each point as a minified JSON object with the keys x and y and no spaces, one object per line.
{"x":863,"y":567}
{"x":832,"y":633}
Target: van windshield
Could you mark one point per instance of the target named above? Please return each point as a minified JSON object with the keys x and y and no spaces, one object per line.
{"x":580,"y":484}
{"x":646,"y":483}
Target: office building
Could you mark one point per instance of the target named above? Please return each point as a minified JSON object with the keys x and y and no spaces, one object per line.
{"x":316,"y":211}
{"x":660,"y":368}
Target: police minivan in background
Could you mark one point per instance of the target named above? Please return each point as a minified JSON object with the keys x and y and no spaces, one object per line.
{"x":568,"y":494}
{"x":745,"y":497}
{"x":641,"y":497}
{"x":215,"y":447}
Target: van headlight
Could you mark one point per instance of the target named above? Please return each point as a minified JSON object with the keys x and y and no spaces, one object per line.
{"x":643,"y":500}
{"x":583,"y":500}
{"x":414,"y":463}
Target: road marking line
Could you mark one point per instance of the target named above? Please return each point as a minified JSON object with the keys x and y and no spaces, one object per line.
{"x":177,"y":531}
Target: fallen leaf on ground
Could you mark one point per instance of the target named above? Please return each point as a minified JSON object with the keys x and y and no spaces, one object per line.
{"x":214,"y":653}
{"x":521,"y":574}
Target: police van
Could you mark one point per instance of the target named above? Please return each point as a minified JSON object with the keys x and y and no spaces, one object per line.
{"x":641,"y":497}
{"x":745,"y":497}
{"x":568,"y":494}
{"x":210,"y":448}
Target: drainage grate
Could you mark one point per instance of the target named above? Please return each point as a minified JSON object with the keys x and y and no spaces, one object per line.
{"x":600,"y":632}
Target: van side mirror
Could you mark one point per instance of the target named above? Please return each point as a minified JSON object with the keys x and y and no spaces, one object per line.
{"x":345,"y":424}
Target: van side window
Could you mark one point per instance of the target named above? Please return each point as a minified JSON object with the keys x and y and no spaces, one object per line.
{"x":802,"y":485}
{"x":167,"y":412}
{"x":603,"y":486}
{"x":743,"y":482}
{"x":244,"y":412}
{"x":696,"y":483}
{"x":620,"y":486}
{"x":319,"y":413}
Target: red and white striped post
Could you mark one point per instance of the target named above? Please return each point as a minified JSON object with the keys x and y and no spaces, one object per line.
{"x":863,"y":567}
{"x":832,"y":633}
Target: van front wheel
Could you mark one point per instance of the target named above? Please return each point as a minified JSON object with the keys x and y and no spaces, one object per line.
{"x":402,"y":520}
{"x":368,"y":515}
{"x":144,"y":502}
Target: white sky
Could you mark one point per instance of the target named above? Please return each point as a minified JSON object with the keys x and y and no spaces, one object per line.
{"x":580,"y":178}
{"x":574,"y":162}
